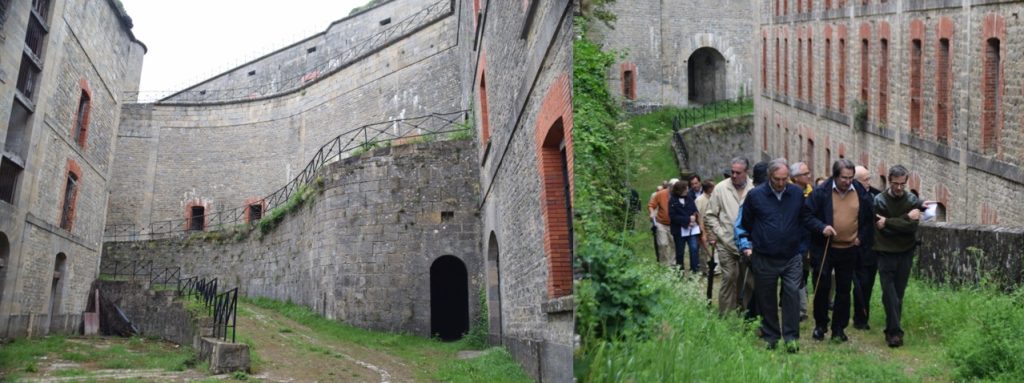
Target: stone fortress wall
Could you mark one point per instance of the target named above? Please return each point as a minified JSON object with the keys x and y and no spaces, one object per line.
{"x":47,"y":262}
{"x":173,"y":155}
{"x":361,"y":251}
{"x":940,"y":92}
{"x":661,"y":38}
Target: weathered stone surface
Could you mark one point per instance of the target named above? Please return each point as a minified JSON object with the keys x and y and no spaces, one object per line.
{"x":965,"y":254}
{"x":356,"y":254}
{"x":706,"y":149}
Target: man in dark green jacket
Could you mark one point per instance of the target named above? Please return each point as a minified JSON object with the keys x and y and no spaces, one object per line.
{"x":898,"y":214}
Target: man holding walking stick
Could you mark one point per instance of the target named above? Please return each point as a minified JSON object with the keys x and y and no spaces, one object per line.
{"x":839,"y":216}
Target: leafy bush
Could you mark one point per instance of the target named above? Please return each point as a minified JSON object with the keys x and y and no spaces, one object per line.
{"x":476,"y":337}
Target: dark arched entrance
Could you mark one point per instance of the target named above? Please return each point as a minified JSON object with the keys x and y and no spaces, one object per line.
{"x":705,"y":74}
{"x":449,"y":298}
{"x":493,"y":290}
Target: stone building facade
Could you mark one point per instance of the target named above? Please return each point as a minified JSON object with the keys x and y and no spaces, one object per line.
{"x":680,"y":52}
{"x":522,"y":99}
{"x":63,"y":67}
{"x":504,"y":210}
{"x":937,"y":86}
{"x":364,"y":250}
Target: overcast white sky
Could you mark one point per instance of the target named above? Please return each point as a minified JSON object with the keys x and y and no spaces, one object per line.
{"x":192,"y":40}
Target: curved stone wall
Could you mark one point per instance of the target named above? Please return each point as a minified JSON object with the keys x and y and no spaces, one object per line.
{"x":361,"y":251}
{"x":221,"y":155}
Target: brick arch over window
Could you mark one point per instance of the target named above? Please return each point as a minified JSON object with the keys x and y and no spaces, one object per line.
{"x":481,"y":86}
{"x":189,"y":209}
{"x":69,"y":199}
{"x":553,"y":140}
{"x":629,"y":74}
{"x":80,"y":122}
{"x":993,"y":49}
{"x":255,"y":207}
{"x":944,"y":79}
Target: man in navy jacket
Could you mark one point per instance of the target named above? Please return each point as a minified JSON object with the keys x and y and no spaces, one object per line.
{"x":840,"y":220}
{"x":770,"y":232}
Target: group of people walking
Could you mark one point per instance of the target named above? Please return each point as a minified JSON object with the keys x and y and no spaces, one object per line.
{"x":780,"y":227}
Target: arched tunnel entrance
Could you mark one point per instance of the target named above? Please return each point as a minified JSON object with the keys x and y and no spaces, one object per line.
{"x":449,"y":298}
{"x":705,"y":74}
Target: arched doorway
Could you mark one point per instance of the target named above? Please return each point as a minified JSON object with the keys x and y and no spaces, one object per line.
{"x":493,"y":290}
{"x":57,"y":287}
{"x":5,"y":257}
{"x":705,"y":74}
{"x":449,"y":298}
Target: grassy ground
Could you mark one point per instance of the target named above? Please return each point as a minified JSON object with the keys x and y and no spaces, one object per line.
{"x":287,"y":343}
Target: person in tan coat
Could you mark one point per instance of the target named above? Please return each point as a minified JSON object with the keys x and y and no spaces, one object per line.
{"x":722,"y":210}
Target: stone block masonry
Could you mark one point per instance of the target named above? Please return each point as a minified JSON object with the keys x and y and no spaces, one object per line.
{"x":935,"y":86}
{"x":361,"y":251}
{"x":706,"y":149}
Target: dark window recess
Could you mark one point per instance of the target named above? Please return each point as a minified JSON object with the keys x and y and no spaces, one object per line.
{"x":627,"y":84}
{"x":198,"y":219}
{"x":385,"y":21}
{"x":202,"y":93}
{"x":34,"y":37}
{"x":311,"y":50}
{"x":9,"y":173}
{"x":69,"y":202}
{"x":255,"y":212}
{"x":28,"y":75}
{"x":80,"y":121}
{"x":252,"y":73}
{"x":42,"y":8}
{"x":447,"y":216}
{"x":3,"y":12}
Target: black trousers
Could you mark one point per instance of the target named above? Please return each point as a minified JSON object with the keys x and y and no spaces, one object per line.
{"x":842,"y":262}
{"x":767,"y":273}
{"x":864,"y":282}
{"x":894,"y":272}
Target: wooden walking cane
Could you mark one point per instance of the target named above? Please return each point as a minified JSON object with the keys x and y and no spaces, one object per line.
{"x":711,"y":273}
{"x":821,"y":268}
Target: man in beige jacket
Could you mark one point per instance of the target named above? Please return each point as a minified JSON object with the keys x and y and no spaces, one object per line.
{"x":723,"y":207}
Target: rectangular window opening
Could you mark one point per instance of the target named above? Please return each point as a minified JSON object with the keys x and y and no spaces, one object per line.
{"x":385,"y":21}
{"x":627,"y":85}
{"x":9,"y":173}
{"x":447,"y":216}
{"x":255,"y":212}
{"x":80,"y":119}
{"x":942,"y":85}
{"x":197,"y":220}
{"x":252,"y":73}
{"x":915,"y":86}
{"x":310,"y":49}
{"x":70,"y":190}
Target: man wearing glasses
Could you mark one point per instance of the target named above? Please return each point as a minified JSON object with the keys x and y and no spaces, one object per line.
{"x":898,"y":214}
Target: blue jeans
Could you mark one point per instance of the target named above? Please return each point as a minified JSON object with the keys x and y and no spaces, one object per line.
{"x":691,"y":242}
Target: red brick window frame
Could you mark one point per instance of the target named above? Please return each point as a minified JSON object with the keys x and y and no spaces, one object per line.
{"x":943,"y":78}
{"x":476,"y":12}
{"x":255,"y":209}
{"x":193,"y":206}
{"x":628,"y":71}
{"x":828,"y":67}
{"x":992,"y":52}
{"x":764,"y":61}
{"x":778,"y":65}
{"x":481,"y":85}
{"x":884,"y":36}
{"x":799,"y":64}
{"x":785,"y":66}
{"x":80,"y":125}
{"x":69,"y":199}
{"x":865,"y":65}
{"x":553,"y":138}
{"x":916,"y":74}
{"x":842,"y":69}
{"x":810,"y":66}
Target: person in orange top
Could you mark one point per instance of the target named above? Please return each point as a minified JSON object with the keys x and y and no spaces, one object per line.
{"x":658,"y":209}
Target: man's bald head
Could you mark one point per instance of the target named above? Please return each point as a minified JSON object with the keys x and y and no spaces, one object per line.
{"x":863,"y":176}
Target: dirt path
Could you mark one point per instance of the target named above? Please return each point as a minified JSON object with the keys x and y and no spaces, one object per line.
{"x":291,"y":352}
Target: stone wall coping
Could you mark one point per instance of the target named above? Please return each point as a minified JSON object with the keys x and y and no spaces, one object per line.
{"x":559,"y":305}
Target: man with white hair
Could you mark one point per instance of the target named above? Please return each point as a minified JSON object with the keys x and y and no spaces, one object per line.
{"x":867,"y":265}
{"x":800,"y":175}
{"x":722,"y":210}
{"x":771,"y":233}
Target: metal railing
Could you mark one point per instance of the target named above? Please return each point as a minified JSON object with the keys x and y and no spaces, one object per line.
{"x":223,"y":307}
{"x":358,"y":51}
{"x":688,"y":117}
{"x":351,"y":142}
{"x":133,"y":270}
